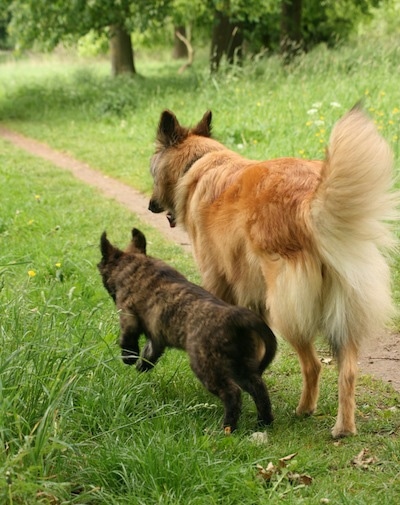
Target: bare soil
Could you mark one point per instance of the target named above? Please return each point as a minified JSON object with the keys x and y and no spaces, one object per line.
{"x":380,"y":357}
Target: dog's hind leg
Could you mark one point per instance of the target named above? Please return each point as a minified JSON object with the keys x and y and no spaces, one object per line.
{"x":255,"y":386}
{"x":311,"y":369}
{"x":227,"y":391}
{"x":231,"y":396}
{"x":347,"y":361}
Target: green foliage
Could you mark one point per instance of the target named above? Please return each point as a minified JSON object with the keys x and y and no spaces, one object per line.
{"x":41,"y":22}
{"x":333,"y":20}
{"x":48,"y":23}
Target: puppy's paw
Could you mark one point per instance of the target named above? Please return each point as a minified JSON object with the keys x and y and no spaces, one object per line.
{"x":129,"y":357}
{"x":144,"y":366}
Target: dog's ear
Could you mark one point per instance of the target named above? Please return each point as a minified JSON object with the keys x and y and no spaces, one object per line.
{"x":203,"y":128}
{"x":170,"y":132}
{"x":106,"y":248}
{"x":139,"y":240}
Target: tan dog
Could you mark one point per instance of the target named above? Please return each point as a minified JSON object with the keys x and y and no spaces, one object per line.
{"x":298,"y":241}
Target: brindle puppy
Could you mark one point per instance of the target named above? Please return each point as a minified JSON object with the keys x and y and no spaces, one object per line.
{"x":229,"y":347}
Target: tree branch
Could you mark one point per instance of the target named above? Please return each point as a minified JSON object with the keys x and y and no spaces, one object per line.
{"x":189,"y":50}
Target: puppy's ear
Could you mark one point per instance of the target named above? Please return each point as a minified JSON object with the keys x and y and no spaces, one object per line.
{"x":139,"y":240}
{"x":170,"y":132}
{"x":106,"y":248}
{"x":203,"y":128}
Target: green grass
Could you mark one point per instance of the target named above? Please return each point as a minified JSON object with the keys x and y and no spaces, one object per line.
{"x":76,"y":425}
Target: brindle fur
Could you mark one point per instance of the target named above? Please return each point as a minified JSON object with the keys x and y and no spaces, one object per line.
{"x":229,"y":347}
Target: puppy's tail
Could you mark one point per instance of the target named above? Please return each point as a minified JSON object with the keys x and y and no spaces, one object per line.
{"x":352,"y":210}
{"x":259,"y":337}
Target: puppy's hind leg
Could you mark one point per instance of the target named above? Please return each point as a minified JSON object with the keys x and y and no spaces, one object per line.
{"x":221,"y":385}
{"x":255,"y":386}
{"x":231,"y":396}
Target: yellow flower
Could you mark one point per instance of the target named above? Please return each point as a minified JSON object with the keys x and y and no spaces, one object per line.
{"x":31,"y":273}
{"x":395,"y":110}
{"x":58,"y":264}
{"x":31,"y":221}
{"x":309,"y":123}
{"x":391,"y":121}
{"x":37,"y":197}
{"x":382,"y":93}
{"x":366,"y":92}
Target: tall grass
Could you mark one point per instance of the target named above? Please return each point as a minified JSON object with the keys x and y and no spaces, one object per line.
{"x":76,"y":425}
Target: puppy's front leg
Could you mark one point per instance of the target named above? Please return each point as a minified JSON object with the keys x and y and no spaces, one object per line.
{"x":150,"y":354}
{"x":129,"y":339}
{"x":129,"y":343}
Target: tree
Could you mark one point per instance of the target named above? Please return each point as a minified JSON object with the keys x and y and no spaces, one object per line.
{"x":180,"y":48}
{"x":233,"y":20}
{"x":290,"y":29}
{"x":227,"y":38}
{"x":49,"y":23}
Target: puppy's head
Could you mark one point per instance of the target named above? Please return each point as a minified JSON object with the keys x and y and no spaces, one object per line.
{"x":113,"y":260}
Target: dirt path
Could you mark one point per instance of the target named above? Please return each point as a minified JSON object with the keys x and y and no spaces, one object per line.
{"x":380,"y":358}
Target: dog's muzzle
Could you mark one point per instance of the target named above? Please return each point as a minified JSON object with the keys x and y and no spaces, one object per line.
{"x":155,"y":207}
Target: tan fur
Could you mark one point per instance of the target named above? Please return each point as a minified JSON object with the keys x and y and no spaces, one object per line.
{"x":299,"y":241}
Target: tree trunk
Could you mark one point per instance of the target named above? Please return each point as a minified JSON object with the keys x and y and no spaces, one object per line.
{"x":180,"y":49}
{"x":290,"y":33}
{"x":226,"y":39}
{"x":122,"y":57}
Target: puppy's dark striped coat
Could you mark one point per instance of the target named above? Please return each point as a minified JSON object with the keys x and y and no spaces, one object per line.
{"x":229,"y":347}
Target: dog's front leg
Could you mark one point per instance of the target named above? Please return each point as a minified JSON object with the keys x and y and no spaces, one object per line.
{"x":150,"y":355}
{"x":129,"y":339}
{"x":129,"y":343}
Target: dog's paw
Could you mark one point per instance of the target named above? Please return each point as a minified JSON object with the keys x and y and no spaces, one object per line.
{"x":265,"y":421}
{"x":341,"y":431}
{"x":129,"y":357}
{"x":144,"y":366}
{"x":305,"y":411}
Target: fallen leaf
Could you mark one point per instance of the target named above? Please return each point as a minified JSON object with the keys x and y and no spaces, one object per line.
{"x":300,"y":478}
{"x":363,"y":460}
{"x":268,"y":472}
{"x":282,"y":461}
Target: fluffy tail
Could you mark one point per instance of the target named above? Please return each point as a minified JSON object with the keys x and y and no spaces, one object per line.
{"x":351,"y":215}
